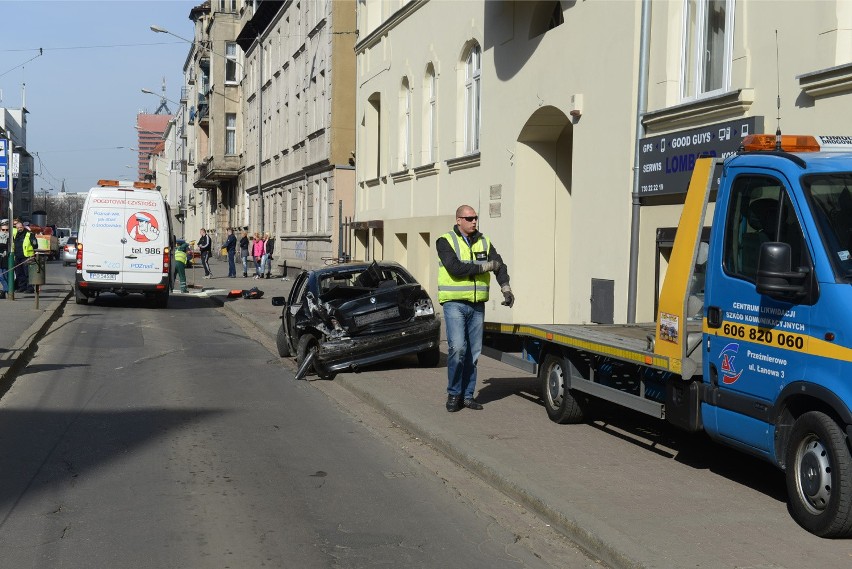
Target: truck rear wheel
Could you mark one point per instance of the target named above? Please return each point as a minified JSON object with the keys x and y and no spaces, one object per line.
{"x":80,"y":297}
{"x":561,"y":405}
{"x":819,"y":476}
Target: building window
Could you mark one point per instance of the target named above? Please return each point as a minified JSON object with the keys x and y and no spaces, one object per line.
{"x":372,"y":122}
{"x":230,"y":133}
{"x":708,"y":27}
{"x":472,"y":99}
{"x":231,"y":62}
{"x":404,"y":125}
{"x":431,"y":131}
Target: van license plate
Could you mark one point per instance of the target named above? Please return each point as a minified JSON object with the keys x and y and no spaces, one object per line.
{"x":102,"y":276}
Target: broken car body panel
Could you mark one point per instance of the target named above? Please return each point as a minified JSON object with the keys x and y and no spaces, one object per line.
{"x":360,"y":313}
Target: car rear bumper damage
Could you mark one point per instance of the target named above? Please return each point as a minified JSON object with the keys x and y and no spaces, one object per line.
{"x":360,"y":351}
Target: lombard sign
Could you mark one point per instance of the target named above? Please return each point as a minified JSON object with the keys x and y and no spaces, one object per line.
{"x":666,"y":162}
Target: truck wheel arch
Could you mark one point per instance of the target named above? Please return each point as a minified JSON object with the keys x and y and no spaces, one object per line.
{"x":796,"y":399}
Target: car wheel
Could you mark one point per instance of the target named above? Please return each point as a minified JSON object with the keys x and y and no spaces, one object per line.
{"x":562,"y":407}
{"x":429,"y":358}
{"x":308,"y":343}
{"x":281,"y":342}
{"x":819,"y":476}
{"x":79,"y":297}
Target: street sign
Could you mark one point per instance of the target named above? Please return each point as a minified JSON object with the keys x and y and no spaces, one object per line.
{"x":4,"y":164}
{"x":666,"y":161}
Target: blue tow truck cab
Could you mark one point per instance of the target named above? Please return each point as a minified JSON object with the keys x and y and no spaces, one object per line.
{"x":753,"y":337}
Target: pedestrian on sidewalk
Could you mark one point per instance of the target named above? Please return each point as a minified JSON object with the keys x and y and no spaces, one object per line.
{"x":4,"y":257}
{"x":230,"y":246}
{"x":467,"y":258}
{"x":180,"y":265}
{"x":244,"y":251}
{"x":258,"y":253}
{"x":25,"y":245}
{"x":205,"y":245}
{"x":270,"y":247}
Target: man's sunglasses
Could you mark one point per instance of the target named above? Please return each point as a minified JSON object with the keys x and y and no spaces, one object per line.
{"x":469,"y":217}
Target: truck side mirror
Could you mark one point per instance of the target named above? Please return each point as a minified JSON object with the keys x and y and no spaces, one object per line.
{"x":775,"y":277}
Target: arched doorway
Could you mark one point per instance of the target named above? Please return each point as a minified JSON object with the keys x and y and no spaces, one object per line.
{"x":542,"y":214}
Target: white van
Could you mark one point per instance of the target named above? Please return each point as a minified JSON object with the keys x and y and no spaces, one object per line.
{"x":125,"y":243}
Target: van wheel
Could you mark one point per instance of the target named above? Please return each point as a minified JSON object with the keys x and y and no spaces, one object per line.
{"x":281,"y":342}
{"x":819,"y":476}
{"x":161,"y":300}
{"x":561,"y":406}
{"x":79,"y":297}
{"x":308,"y":343}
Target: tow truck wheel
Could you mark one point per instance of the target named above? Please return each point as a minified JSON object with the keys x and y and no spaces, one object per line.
{"x":562,"y":407}
{"x":819,"y":476}
{"x":281,"y":342}
{"x":308,"y":343}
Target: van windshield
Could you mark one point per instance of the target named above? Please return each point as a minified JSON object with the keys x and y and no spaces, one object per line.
{"x":831,"y":202}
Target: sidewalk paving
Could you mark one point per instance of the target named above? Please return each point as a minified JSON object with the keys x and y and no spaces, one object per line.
{"x":628,"y":490}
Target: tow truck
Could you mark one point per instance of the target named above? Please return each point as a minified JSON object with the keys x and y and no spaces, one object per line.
{"x":752,"y":341}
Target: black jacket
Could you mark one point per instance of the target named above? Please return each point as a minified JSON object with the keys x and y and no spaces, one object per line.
{"x":244,"y":243}
{"x":230,"y":243}
{"x":458,"y":268}
{"x":270,"y":245}
{"x":205,"y":243}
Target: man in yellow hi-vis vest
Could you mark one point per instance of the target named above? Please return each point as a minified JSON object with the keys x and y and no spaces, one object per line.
{"x":466,"y":259}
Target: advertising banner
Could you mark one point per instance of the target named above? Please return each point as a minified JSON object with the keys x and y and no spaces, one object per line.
{"x":666,"y":161}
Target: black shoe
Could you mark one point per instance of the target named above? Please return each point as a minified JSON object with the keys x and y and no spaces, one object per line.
{"x":2,"y":294}
{"x":454,"y":403}
{"x":472,"y":404}
{"x":245,"y":275}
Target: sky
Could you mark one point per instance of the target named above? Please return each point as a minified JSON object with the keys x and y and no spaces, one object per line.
{"x":84,"y":91}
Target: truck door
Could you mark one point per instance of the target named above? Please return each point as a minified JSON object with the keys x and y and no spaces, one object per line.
{"x":754,"y":342}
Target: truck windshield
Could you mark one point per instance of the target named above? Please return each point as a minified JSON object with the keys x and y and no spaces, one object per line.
{"x":831,"y":201}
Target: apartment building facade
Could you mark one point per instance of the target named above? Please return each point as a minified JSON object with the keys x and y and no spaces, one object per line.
{"x":571,"y":127}
{"x":212,"y":102}
{"x":299,"y":122}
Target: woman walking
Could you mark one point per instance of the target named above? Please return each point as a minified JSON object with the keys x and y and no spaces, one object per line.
{"x":244,"y":251}
{"x":258,"y":252}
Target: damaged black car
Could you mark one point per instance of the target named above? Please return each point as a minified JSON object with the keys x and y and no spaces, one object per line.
{"x":348,"y":316}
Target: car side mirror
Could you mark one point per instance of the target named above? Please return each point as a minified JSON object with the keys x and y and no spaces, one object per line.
{"x":775,"y":277}
{"x":279,"y":300}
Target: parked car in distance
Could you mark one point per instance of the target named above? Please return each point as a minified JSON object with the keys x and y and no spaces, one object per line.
{"x":68,"y":252}
{"x":347,"y":316}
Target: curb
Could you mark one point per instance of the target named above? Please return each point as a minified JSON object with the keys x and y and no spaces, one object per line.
{"x":586,"y":539}
{"x":27,"y":344}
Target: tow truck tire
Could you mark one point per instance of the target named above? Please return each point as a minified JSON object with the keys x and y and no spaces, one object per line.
{"x":562,"y":407}
{"x":819,"y":476}
{"x":281,"y":342}
{"x":79,"y":297}
{"x":308,"y":343}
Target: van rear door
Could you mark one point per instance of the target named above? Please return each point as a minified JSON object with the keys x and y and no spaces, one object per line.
{"x":104,"y":226}
{"x":145,"y":239}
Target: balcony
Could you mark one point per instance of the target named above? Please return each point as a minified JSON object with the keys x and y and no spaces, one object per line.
{"x":212,"y":171}
{"x":203,"y":110}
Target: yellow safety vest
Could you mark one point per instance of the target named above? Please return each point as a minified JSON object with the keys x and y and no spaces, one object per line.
{"x":180,"y":256}
{"x":28,"y":244}
{"x":472,"y":288}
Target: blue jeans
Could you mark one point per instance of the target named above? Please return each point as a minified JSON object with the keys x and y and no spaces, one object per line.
{"x":232,"y":269}
{"x":464,"y":338}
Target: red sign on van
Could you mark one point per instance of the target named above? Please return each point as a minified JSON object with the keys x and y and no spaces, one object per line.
{"x":143,"y":227}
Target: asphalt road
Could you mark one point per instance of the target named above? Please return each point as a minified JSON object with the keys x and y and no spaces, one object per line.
{"x":175,"y":438}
